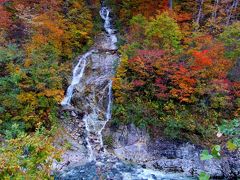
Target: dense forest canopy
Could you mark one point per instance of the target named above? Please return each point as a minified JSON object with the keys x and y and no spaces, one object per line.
{"x":178,"y":75}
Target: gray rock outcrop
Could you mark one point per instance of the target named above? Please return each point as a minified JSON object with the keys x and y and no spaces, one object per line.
{"x":133,"y":144}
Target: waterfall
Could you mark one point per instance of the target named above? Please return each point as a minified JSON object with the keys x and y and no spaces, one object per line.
{"x":98,"y":101}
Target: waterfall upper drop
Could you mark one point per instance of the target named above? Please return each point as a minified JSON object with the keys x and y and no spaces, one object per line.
{"x":78,"y":71}
{"x":105,"y":15}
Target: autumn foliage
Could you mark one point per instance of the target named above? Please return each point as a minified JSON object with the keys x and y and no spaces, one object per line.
{"x":38,"y":41}
{"x":179,"y":77}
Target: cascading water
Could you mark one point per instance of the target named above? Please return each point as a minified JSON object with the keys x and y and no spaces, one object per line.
{"x":90,"y":92}
{"x":77,"y":75}
{"x":105,"y":14}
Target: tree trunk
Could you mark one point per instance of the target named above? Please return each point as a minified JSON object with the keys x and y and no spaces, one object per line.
{"x":170,"y":3}
{"x":214,"y":14}
{"x":199,"y":12}
{"x":229,"y":12}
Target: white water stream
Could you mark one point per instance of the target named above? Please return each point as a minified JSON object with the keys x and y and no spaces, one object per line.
{"x":77,"y":76}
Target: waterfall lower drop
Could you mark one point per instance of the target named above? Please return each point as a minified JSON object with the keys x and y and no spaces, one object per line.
{"x":108,"y":113}
{"x":91,"y":90}
{"x":92,"y":125}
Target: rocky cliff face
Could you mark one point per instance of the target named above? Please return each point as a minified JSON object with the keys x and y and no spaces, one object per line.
{"x":132,"y":144}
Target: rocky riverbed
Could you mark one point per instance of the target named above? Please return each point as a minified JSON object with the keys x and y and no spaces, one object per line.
{"x":132,"y":144}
